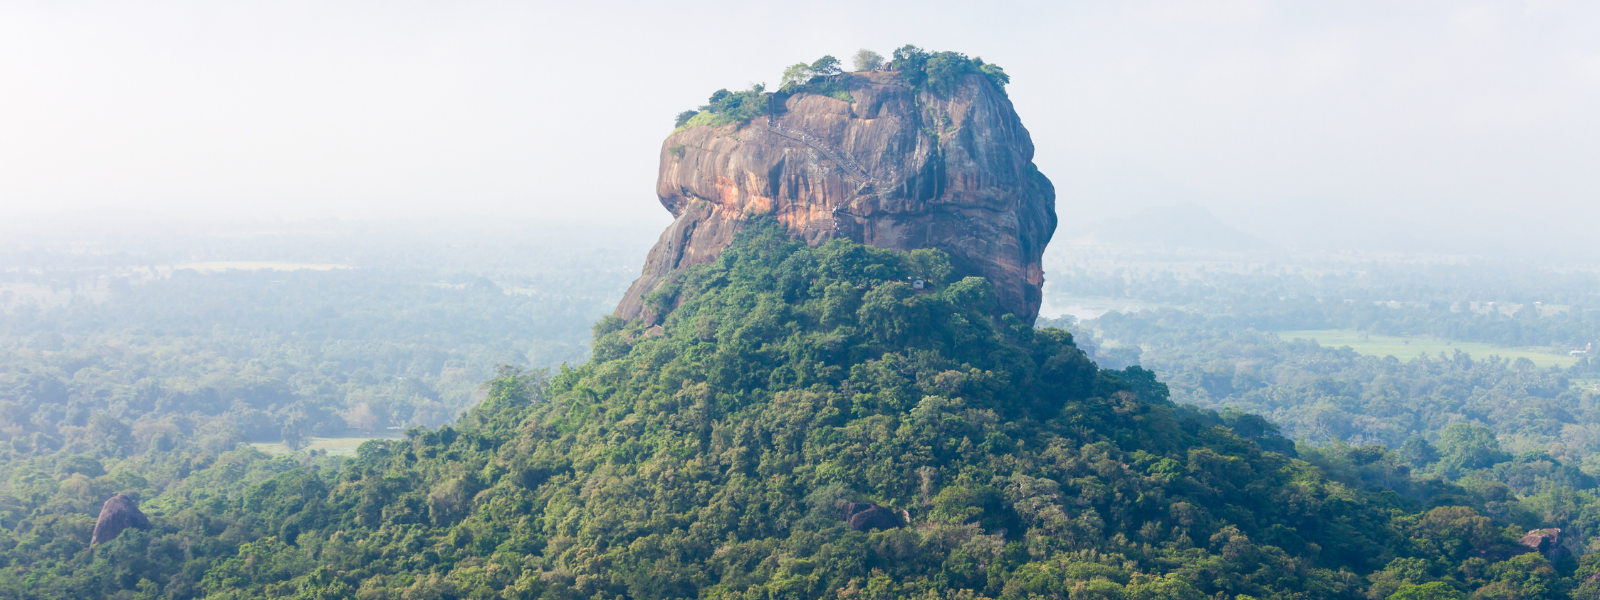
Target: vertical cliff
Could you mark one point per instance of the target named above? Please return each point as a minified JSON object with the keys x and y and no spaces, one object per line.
{"x":893,"y":167}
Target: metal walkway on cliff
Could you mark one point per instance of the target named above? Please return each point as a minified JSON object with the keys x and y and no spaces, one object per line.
{"x":854,"y":171}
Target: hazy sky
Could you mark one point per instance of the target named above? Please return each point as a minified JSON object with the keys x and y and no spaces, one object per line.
{"x":1284,"y":118}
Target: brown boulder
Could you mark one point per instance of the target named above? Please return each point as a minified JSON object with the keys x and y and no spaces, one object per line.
{"x":117,"y":514}
{"x":894,"y":168}
{"x":1548,"y":543}
{"x":864,"y":516}
{"x":1541,"y":540}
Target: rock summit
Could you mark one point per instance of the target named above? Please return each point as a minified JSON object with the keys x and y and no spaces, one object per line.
{"x":893,"y":166}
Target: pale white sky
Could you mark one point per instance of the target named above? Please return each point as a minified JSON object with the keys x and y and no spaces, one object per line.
{"x":1285,"y":118}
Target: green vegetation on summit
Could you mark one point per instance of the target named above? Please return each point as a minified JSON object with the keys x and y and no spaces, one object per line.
{"x":939,"y":71}
{"x":914,"y":67}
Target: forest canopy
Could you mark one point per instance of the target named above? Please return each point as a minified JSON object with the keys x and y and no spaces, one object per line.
{"x":717,"y":455}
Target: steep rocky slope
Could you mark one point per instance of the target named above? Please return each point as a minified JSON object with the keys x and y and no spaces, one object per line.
{"x":895,"y":168}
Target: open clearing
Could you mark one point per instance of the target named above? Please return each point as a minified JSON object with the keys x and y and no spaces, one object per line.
{"x":345,"y":446}
{"x":1407,"y":348}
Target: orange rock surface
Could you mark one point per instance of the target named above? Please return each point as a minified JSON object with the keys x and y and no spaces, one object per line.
{"x":895,"y":168}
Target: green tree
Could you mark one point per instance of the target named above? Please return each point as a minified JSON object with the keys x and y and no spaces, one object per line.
{"x":945,"y":69}
{"x":795,"y":75}
{"x":826,"y":66}
{"x":1464,"y":446}
{"x":296,"y":431}
{"x":1419,"y":452}
{"x":909,"y":60}
{"x":867,"y":60}
{"x":1457,"y":533}
{"x":1523,"y":577}
{"x":1437,"y":590}
{"x":111,"y":430}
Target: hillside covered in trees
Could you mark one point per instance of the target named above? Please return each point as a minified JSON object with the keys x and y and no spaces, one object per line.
{"x":717,"y":454}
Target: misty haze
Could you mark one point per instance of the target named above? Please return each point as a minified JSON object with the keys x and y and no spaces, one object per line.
{"x":1226,"y":299}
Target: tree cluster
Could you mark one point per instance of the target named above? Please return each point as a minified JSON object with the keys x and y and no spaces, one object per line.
{"x":941,"y":72}
{"x":726,"y":107}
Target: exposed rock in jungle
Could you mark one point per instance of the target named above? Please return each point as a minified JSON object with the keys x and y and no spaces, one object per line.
{"x":116,"y":515}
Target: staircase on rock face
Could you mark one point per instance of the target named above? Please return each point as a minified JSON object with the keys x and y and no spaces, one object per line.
{"x":865,"y":183}
{"x":854,"y":171}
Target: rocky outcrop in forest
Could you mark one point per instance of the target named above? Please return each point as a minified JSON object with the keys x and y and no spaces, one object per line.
{"x":117,"y":514}
{"x":877,"y":162}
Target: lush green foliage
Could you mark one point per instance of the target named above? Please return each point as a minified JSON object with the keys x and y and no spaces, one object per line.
{"x":866,"y":60}
{"x":940,"y":72}
{"x":1435,"y":429}
{"x":1322,"y":393}
{"x":726,"y":107}
{"x":114,"y":378}
{"x":798,"y":75}
{"x":708,"y":457}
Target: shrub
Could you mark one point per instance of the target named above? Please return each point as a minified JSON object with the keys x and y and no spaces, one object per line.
{"x":794,"y":75}
{"x":726,"y":107}
{"x":826,"y":66}
{"x":867,"y":60}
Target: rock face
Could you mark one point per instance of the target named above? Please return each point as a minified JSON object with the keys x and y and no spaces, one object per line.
{"x":1541,"y":540}
{"x":117,"y":514}
{"x":895,"y":169}
{"x":1546,"y":542}
{"x":865,"y":516}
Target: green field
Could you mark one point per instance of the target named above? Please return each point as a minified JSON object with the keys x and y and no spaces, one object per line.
{"x":1407,"y":348}
{"x":343,"y":446}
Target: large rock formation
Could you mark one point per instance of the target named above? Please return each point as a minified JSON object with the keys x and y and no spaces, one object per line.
{"x":117,"y":514}
{"x":895,"y":169}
